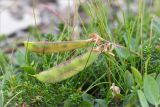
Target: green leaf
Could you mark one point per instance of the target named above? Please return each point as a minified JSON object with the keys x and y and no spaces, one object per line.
{"x":1,"y":98}
{"x":151,"y":90}
{"x":156,"y":24}
{"x":158,"y":81}
{"x":29,"y":70}
{"x":142,"y":99}
{"x":86,"y":104}
{"x":137,"y":75}
{"x":131,"y":101}
{"x":87,"y":97}
{"x":132,"y":42}
{"x":20,"y":58}
{"x":87,"y":100}
{"x":67,"y":103}
{"x":122,"y":52}
{"x":128,"y":78}
{"x":100,"y":103}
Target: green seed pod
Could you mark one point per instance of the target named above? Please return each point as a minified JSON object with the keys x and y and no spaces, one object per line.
{"x":50,"y":47}
{"x":68,"y":68}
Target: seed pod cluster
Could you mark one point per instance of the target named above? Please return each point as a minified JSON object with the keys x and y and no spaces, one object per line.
{"x":71,"y":67}
{"x":50,"y":47}
{"x":68,"y":68}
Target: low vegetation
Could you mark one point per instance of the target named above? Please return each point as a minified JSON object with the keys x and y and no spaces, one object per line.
{"x":118,"y":68}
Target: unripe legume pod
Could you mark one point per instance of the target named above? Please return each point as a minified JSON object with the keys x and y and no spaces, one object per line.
{"x":50,"y":47}
{"x":67,"y":69}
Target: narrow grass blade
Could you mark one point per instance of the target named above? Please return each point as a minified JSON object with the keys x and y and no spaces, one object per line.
{"x":12,"y":98}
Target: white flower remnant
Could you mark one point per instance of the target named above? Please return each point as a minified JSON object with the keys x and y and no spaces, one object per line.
{"x":115,"y":89}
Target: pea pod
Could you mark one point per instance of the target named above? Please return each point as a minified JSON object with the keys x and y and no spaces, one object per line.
{"x":50,"y":47}
{"x":68,"y":68}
